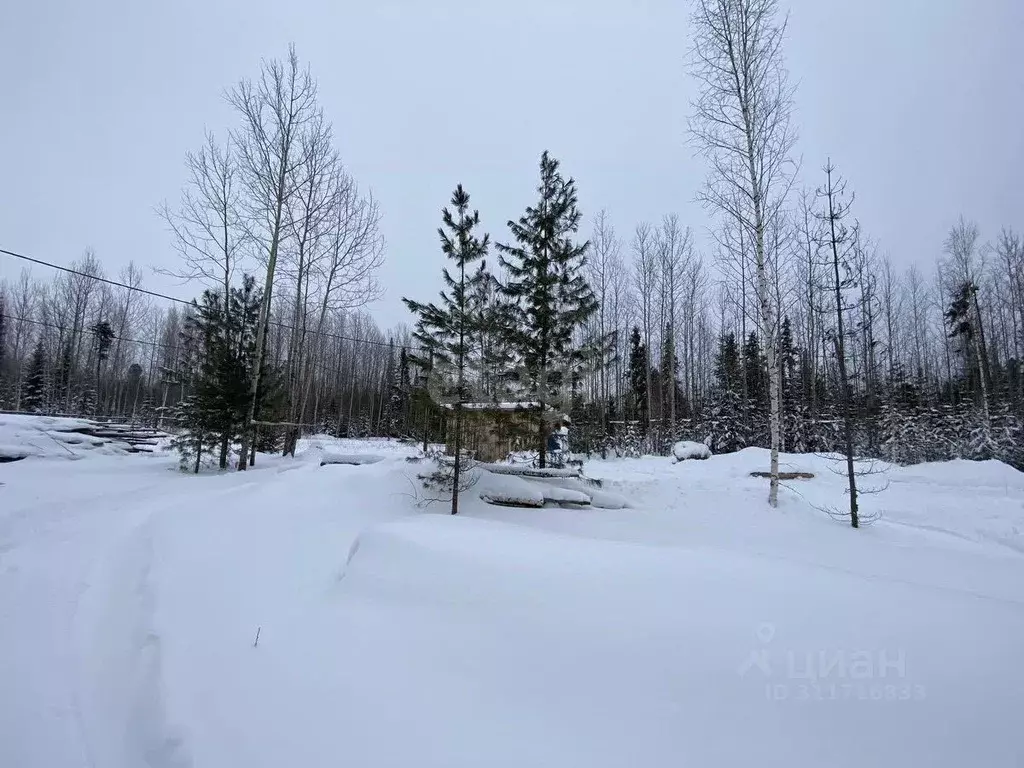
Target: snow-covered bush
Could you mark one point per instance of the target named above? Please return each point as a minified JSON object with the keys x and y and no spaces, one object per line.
{"x":686,"y":449}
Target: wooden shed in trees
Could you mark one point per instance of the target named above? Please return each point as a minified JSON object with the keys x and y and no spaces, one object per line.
{"x":491,"y":431}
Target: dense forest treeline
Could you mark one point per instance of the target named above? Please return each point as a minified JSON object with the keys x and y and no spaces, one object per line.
{"x":927,"y":351}
{"x":791,"y":326}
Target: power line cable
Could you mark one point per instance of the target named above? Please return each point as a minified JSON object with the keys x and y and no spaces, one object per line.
{"x":321,"y":367}
{"x":176,"y":300}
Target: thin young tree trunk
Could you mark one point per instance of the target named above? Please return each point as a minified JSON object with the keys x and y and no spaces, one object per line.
{"x":261,"y":334}
{"x":985,"y":372}
{"x":840,"y":344}
{"x":770,"y":337}
{"x":767,"y":318}
{"x":983,"y":379}
{"x":460,"y":388}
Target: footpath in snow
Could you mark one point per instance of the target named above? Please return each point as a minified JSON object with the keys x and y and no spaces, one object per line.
{"x":695,"y":627}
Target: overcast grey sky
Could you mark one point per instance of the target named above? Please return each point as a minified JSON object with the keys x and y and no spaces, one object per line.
{"x":919,"y":102}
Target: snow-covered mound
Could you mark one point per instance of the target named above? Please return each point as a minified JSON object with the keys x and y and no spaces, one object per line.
{"x":522,"y":470}
{"x":354,"y":446}
{"x":24,"y":435}
{"x":669,"y":649}
{"x":523,"y":486}
{"x":510,"y":490}
{"x":686,"y":449}
{"x":327,"y":450}
{"x":356,"y":459}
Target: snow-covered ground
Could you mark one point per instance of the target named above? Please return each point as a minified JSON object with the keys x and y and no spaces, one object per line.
{"x":696,"y":627}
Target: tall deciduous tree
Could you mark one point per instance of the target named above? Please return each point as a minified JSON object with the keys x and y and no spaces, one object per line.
{"x":742,"y":123}
{"x":206,"y":226}
{"x":276,"y":110}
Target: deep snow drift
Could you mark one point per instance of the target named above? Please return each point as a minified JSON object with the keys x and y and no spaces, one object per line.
{"x":697,"y":627}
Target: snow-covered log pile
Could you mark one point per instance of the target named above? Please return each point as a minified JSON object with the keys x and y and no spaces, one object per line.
{"x":513,"y":486}
{"x":354,"y":459}
{"x":141,"y":439}
{"x":537,"y":472}
{"x":23,"y":435}
{"x":510,"y":491}
{"x":685,"y":449}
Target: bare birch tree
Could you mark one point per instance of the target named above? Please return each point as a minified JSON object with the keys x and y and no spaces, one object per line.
{"x":206,"y":228}
{"x":276,"y":111}
{"x":601,"y":263}
{"x":741,"y":122}
{"x":809,"y":271}
{"x":346,"y":273}
{"x":23,"y":307}
{"x":309,"y":223}
{"x":675,"y":255}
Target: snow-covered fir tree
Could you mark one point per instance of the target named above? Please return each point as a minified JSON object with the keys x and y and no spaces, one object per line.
{"x":397,"y":411}
{"x":222,"y":337}
{"x":548,"y":296}
{"x":724,"y":422}
{"x":638,"y":380}
{"x":194,"y":439}
{"x":34,"y":390}
{"x":445,"y":330}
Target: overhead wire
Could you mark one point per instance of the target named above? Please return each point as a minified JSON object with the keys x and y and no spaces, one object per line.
{"x":176,"y":300}
{"x":162,"y":345}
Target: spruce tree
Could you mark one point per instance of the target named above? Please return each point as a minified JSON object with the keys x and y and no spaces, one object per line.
{"x":221,"y":339}
{"x":728,"y":366}
{"x":404,"y":384}
{"x":965,"y":324}
{"x":238,"y":368}
{"x":197,"y":415}
{"x":271,"y":405}
{"x":793,"y":439}
{"x":62,"y":385}
{"x":194,"y":438}
{"x":494,"y":315}
{"x":33,"y":396}
{"x":445,"y":331}
{"x":102,"y":338}
{"x":724,"y":421}
{"x":385,"y":418}
{"x":548,"y":295}
{"x":638,"y":378}
{"x":757,"y":372}
{"x":396,"y":423}
{"x":670,"y":378}
{"x":756,"y":405}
